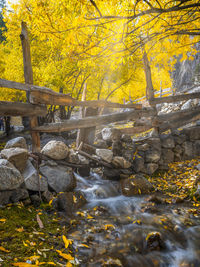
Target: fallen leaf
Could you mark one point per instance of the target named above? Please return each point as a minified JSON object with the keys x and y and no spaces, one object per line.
{"x":65,"y":256}
{"x":2,"y":220}
{"x":66,"y":241}
{"x":4,"y":250}
{"x":24,"y":264}
{"x":40,"y":223}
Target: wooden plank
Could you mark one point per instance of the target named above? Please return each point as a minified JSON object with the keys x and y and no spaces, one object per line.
{"x":28,"y":75}
{"x":95,"y":121}
{"x":21,"y":109}
{"x":175,"y":98}
{"x":44,"y":95}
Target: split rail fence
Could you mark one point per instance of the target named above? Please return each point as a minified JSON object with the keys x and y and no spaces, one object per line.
{"x":39,"y":97}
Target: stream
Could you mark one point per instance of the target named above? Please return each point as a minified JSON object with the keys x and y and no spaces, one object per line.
{"x":115,"y":230}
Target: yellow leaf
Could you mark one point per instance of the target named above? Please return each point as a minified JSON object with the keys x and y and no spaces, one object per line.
{"x":74,"y":199}
{"x":2,"y":220}
{"x":33,"y":258}
{"x":65,"y":256}
{"x":139,"y":191}
{"x":25,"y":244}
{"x":20,"y":230}
{"x":80,"y":213}
{"x":50,"y":263}
{"x":4,"y":250}
{"x":83,"y":245}
{"x":89,"y":217}
{"x":66,"y":241}
{"x":69,"y":264}
{"x":23,"y":264}
{"x":107,"y":226}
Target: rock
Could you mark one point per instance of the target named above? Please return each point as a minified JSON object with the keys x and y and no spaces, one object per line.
{"x":128,"y":154}
{"x":13,"y":196}
{"x":178,"y":149}
{"x":177,"y":157}
{"x":136,"y":185}
{"x":138,"y":164}
{"x":154,"y":143}
{"x":194,"y":133}
{"x":32,"y":180}
{"x":17,"y":156}
{"x":16,"y":142}
{"x":180,"y":139}
{"x":197,"y":147}
{"x":151,"y":168}
{"x":111,"y":174}
{"x":59,"y":178}
{"x":188,"y":150}
{"x":143,"y":147}
{"x":167,"y":141}
{"x":35,"y":200}
{"x":126,"y":138}
{"x":73,"y":157}
{"x":101,"y":144}
{"x":56,"y":150}
{"x":198,"y":167}
{"x":188,"y":104}
{"x":105,"y":154}
{"x":156,"y":199}
{"x":84,"y":171}
{"x":46,"y":138}
{"x":120,"y":162}
{"x":167,"y":155}
{"x":47,"y":196}
{"x":10,"y":177}
{"x":83,"y":160}
{"x":152,"y":156}
{"x":154,"y":241}
{"x":111,"y":134}
{"x":117,"y":148}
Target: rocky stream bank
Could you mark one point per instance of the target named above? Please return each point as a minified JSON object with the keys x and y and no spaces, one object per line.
{"x":128,"y":204}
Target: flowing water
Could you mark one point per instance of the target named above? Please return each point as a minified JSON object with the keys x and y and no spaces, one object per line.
{"x":115,"y":230}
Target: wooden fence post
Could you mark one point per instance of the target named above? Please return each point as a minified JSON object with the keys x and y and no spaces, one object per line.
{"x":28,"y":76}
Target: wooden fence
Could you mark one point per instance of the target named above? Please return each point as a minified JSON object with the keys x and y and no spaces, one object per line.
{"x":39,"y":97}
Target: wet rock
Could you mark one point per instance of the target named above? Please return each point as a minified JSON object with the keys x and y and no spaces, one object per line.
{"x":111,"y":174}
{"x":10,"y":177}
{"x":151,"y":168}
{"x":138,"y":164}
{"x":32,"y":180}
{"x":167,"y":141}
{"x":83,"y":160}
{"x":35,"y":200}
{"x":120,"y":162}
{"x":156,"y":199}
{"x":73,"y":157}
{"x":117,"y":148}
{"x":16,"y":142}
{"x":105,"y":154}
{"x":84,"y":171}
{"x":167,"y":155}
{"x":17,"y":156}
{"x":188,"y":150}
{"x":107,"y":190}
{"x":55,"y":150}
{"x":59,"y":178}
{"x":19,"y":194}
{"x":136,"y":185}
{"x":154,"y":241}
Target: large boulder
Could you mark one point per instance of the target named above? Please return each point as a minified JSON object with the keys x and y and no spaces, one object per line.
{"x":17,"y":156}
{"x":60,"y":179}
{"x":10,"y":177}
{"x":32,"y":180}
{"x":17,"y":142}
{"x":135,"y":185}
{"x":105,"y":154}
{"x":120,"y":162}
{"x":13,"y":196}
{"x":56,"y":150}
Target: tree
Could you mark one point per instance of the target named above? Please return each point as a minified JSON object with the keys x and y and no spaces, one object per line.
{"x":2,"y":23}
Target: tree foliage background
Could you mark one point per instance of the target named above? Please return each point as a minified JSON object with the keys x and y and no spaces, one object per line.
{"x":98,"y":43}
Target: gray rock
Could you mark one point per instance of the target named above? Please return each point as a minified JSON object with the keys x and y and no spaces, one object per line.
{"x":117,"y":148}
{"x":32,"y":180}
{"x":17,"y":142}
{"x":128,"y":154}
{"x":59,"y":178}
{"x":111,"y":174}
{"x":178,"y":149}
{"x":154,"y":143}
{"x":73,"y":157}
{"x":105,"y":154}
{"x":180,"y":139}
{"x":177,"y":157}
{"x":120,"y":162}
{"x":47,"y":196}
{"x":188,"y":150}
{"x":151,"y":168}
{"x":152,"y":155}
{"x":10,"y":177}
{"x":188,"y":104}
{"x":126,"y":138}
{"x":143,"y":147}
{"x":136,"y":185}
{"x":101,"y":144}
{"x":17,"y":156}
{"x":110,"y":134}
{"x":197,"y":147}
{"x":167,"y":155}
{"x":194,"y":133}
{"x":56,"y":150}
{"x":138,"y":164}
{"x":13,"y":196}
{"x":167,"y":141}
{"x":83,"y":160}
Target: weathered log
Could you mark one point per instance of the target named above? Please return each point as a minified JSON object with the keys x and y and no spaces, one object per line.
{"x":94,"y":121}
{"x":175,"y":98}
{"x":100,"y":162}
{"x":28,"y":75}
{"x":19,"y":109}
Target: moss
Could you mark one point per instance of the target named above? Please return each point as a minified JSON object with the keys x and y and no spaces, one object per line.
{"x":21,"y":235}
